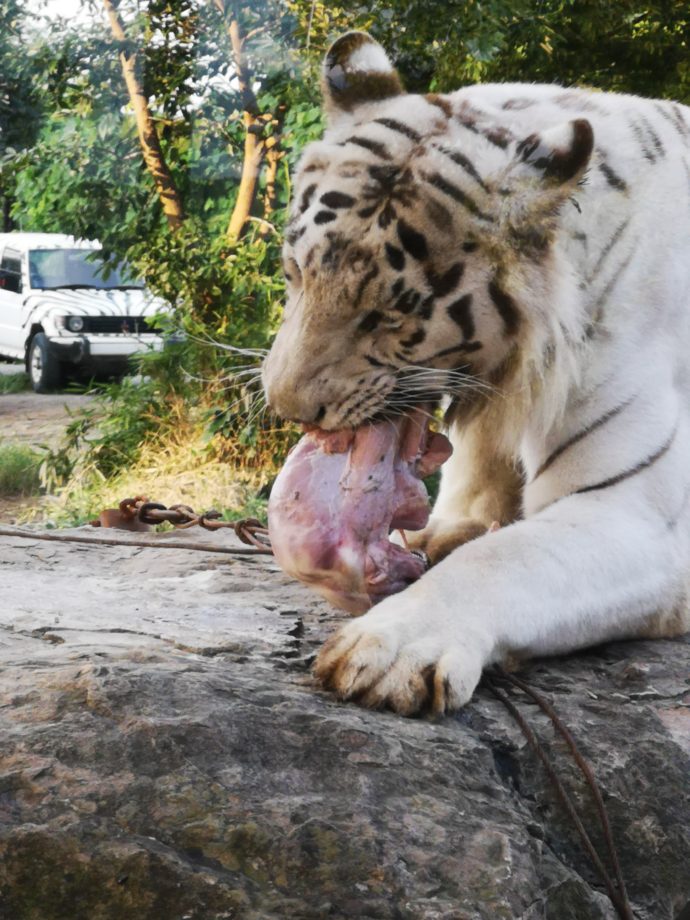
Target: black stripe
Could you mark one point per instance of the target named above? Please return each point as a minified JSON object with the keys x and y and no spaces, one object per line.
{"x":518,"y":104}
{"x":444,"y":284}
{"x":609,"y":286}
{"x":618,"y":233}
{"x":415,"y":339}
{"x":395,"y":257}
{"x":612,"y":413}
{"x":656,"y":140}
{"x":294,"y":233}
{"x":465,"y":163}
{"x":441,"y":103}
{"x":499,"y":137}
{"x":613,"y":178}
{"x":337,"y":200}
{"x":324,"y":217}
{"x":372,"y":146}
{"x":386,"y":176}
{"x":370,"y":321}
{"x":672,"y":117}
{"x":639,"y":134}
{"x":364,"y":281}
{"x":427,"y":307}
{"x":412,"y":241}
{"x":460,"y":311}
{"x":678,"y":112}
{"x":621,"y":477}
{"x":506,"y":307}
{"x":408,"y":301}
{"x":351,"y":410}
{"x":399,"y":127}
{"x":527,"y":146}
{"x":465,"y":348}
{"x":439,"y":214}
{"x":457,"y":194}
{"x":467,"y":122}
{"x":307,"y":197}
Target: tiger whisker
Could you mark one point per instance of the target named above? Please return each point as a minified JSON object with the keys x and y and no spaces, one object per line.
{"x":247,"y":352}
{"x":410,"y":375}
{"x":246,"y":372}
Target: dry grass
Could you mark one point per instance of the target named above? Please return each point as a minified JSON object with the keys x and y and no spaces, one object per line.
{"x":18,"y":470}
{"x":177,"y":473}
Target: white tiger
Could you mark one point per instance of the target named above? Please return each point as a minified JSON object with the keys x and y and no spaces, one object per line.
{"x":524,"y":250}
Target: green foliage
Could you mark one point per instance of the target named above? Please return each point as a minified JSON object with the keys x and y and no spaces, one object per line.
{"x":19,"y":470}
{"x":70,"y":162}
{"x":109,"y":433}
{"x":14,"y":383}
{"x":254,"y":507}
{"x":441,"y":45}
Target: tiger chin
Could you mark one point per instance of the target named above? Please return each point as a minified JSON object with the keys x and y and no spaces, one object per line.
{"x":521,"y":252}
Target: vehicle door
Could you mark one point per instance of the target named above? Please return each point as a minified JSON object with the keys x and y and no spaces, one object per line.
{"x":12,"y":333}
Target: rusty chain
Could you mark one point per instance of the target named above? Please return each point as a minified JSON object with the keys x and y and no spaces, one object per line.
{"x":138,"y":513}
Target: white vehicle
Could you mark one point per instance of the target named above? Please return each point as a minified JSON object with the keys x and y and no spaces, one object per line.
{"x":60,"y":314}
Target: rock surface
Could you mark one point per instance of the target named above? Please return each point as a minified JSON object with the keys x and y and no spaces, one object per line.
{"x":164,"y":755}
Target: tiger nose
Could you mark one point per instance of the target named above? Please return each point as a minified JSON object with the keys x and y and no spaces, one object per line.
{"x":292,"y":402}
{"x":294,"y":381}
{"x":318,"y":417}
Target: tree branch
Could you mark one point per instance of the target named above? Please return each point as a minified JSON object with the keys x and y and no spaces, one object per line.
{"x":146,"y":129}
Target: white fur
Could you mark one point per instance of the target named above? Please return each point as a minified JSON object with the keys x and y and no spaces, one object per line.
{"x":602,"y":564}
{"x":369,"y":57}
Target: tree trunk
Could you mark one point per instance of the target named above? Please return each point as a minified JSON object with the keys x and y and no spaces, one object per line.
{"x":148,"y":135}
{"x":255,"y":144}
{"x":273,"y":157}
{"x":254,"y":148}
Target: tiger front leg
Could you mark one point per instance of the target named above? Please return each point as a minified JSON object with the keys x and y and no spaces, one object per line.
{"x":583,"y":571}
{"x":480,"y":489}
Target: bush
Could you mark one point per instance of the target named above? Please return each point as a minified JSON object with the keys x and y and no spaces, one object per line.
{"x":14,"y":383}
{"x":19,"y":470}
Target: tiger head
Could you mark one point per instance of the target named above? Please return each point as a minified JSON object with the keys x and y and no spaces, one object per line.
{"x":420,"y":254}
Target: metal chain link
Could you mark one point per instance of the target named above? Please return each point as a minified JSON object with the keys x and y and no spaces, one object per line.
{"x":139,"y":510}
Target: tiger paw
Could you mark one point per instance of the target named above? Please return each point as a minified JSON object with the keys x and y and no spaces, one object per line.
{"x":400,"y":659}
{"x":439,"y":538}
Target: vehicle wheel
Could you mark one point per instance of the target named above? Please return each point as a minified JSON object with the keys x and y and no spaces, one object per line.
{"x":45,"y":371}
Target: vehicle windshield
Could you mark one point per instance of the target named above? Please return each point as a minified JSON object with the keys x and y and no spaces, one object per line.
{"x":75,"y":268}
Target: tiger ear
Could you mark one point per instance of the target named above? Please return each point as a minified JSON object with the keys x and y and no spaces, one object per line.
{"x":357,"y":70}
{"x":560,"y":154}
{"x":557,"y":158}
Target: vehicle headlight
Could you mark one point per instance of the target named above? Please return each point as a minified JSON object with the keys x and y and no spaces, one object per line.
{"x":75,"y":323}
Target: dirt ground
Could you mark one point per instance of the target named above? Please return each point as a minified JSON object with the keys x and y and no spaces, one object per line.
{"x":36,"y":420}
